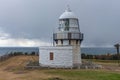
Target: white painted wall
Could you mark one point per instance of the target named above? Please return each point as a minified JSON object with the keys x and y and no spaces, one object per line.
{"x":63,"y":57}
{"x":76,"y":55}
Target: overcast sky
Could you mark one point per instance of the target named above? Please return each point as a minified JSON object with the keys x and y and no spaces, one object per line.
{"x":32,"y":22}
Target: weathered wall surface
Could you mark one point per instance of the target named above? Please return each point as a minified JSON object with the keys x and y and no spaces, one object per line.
{"x":76,"y":55}
{"x":63,"y":57}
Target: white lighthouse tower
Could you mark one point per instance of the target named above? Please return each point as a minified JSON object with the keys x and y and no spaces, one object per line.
{"x":67,"y":40}
{"x":68,"y":34}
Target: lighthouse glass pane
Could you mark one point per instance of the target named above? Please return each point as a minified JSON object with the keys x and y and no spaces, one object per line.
{"x":73,"y":23}
{"x":64,"y":23}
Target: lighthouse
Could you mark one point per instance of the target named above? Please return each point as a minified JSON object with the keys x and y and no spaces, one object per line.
{"x":68,"y":34}
{"x":65,"y":53}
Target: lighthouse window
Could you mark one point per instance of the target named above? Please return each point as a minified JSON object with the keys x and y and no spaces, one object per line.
{"x":65,"y":24}
{"x":73,"y":23}
{"x":51,"y":56}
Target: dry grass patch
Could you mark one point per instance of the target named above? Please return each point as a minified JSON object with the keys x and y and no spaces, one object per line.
{"x":13,"y":69}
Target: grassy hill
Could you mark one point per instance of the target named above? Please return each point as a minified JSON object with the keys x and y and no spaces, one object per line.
{"x":13,"y":69}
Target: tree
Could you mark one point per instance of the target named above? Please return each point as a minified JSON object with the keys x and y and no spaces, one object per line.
{"x":117,"y":48}
{"x":33,"y":53}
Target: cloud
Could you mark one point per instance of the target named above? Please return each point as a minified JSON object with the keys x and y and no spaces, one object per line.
{"x":22,"y":43}
{"x":31,"y":20}
{"x":7,"y":40}
{"x":4,"y":35}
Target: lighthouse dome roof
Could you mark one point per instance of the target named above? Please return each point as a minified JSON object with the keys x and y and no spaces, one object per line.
{"x":68,"y":14}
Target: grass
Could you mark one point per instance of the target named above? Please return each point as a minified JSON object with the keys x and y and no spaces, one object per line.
{"x":13,"y":69}
{"x":103,"y":61}
{"x":85,"y":74}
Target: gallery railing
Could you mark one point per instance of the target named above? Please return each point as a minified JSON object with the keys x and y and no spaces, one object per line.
{"x":77,"y":36}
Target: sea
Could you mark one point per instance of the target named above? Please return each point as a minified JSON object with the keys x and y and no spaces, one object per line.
{"x":98,"y":51}
{"x":88,"y":50}
{"x":7,"y":50}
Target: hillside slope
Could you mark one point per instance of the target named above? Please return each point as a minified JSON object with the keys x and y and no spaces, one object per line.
{"x":13,"y":69}
{"x":17,"y":62}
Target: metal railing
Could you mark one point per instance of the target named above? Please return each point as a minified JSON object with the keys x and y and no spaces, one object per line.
{"x":77,"y":36}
